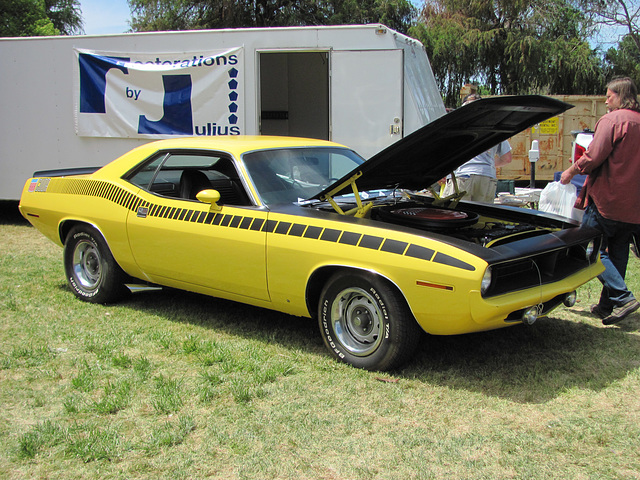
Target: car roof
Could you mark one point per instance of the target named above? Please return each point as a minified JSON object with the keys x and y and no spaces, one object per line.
{"x":234,"y":145}
{"x":241,"y":143}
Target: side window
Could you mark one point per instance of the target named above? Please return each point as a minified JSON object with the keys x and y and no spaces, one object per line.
{"x":143,"y":176}
{"x":184,"y":175}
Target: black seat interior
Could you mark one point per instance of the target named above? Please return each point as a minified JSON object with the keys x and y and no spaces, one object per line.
{"x":192,"y":182}
{"x":230,"y":192}
{"x":226,"y":180}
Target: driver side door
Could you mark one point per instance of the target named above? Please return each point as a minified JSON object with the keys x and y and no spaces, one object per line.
{"x":179,"y":241}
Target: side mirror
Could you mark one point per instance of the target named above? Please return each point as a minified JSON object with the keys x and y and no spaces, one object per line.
{"x":211,"y":197}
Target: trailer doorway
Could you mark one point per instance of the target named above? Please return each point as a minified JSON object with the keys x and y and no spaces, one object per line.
{"x":294,"y":94}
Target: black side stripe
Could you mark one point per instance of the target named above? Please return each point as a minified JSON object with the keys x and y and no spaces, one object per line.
{"x":129,"y":201}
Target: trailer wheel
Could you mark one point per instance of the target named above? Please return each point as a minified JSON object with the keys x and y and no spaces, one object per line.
{"x":365,"y":322}
{"x":92,"y":272}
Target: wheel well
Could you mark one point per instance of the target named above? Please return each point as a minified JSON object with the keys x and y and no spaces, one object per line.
{"x":66,"y":226}
{"x":320,"y":277}
{"x":314,"y":287}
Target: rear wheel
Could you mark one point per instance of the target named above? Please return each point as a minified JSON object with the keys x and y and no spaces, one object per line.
{"x":92,"y":272}
{"x":365,"y":322}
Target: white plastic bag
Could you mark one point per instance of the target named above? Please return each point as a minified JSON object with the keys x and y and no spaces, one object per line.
{"x":559,"y":199}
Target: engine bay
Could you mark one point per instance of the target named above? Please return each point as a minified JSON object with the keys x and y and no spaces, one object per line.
{"x":484,"y":225}
{"x":463,"y":224}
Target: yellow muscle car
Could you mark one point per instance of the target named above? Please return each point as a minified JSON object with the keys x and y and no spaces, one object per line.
{"x":307,"y":227}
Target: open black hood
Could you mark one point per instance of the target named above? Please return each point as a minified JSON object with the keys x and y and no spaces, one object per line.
{"x":435,"y":150}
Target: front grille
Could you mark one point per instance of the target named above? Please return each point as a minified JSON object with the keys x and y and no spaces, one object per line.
{"x":540,"y":269}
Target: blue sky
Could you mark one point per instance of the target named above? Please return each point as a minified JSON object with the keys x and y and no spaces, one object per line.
{"x":105,"y":16}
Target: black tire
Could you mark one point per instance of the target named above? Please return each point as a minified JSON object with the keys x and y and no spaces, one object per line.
{"x":92,"y":272}
{"x":365,"y":322}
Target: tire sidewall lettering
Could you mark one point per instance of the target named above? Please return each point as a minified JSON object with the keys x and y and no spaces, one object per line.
{"x":83,"y":235}
{"x":80,"y":291}
{"x":328,"y":331}
{"x":383,"y":307}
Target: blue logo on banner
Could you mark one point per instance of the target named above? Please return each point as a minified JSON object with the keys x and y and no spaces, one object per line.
{"x":177,"y":119}
{"x":93,"y":80}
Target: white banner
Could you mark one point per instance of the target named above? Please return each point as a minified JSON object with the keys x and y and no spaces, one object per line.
{"x":159,"y":95}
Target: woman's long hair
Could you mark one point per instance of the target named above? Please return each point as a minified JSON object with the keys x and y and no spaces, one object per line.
{"x":626,"y":89}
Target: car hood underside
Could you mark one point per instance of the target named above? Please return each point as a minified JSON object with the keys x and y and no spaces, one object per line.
{"x":432,"y":152}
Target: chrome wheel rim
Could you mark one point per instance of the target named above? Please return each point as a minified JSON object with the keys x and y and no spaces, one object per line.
{"x":87,"y":265}
{"x":356,"y":318}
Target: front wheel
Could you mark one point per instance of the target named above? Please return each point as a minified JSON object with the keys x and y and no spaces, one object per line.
{"x":365,"y":322}
{"x":92,"y":272}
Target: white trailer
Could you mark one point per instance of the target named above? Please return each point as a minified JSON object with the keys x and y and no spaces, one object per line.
{"x":81,"y":101}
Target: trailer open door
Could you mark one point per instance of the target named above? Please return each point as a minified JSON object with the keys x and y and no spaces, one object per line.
{"x":294,"y":94}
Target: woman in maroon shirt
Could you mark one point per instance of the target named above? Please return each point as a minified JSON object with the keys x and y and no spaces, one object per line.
{"x":611,"y":195}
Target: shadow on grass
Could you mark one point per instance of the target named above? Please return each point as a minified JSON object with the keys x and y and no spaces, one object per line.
{"x":230,"y":317}
{"x":525,"y":364}
{"x":532,"y":364}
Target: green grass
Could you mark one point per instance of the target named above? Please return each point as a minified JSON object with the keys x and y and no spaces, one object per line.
{"x":176,"y":385}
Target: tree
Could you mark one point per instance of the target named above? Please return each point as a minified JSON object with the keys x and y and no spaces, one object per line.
{"x":65,"y":16}
{"x":618,"y":13}
{"x":510,"y":46}
{"x":396,"y":14}
{"x":624,"y":61}
{"x":623,"y":17}
{"x":22,"y":18}
{"x":154,"y":15}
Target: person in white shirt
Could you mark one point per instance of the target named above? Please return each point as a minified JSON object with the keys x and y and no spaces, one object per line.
{"x":478,"y":177}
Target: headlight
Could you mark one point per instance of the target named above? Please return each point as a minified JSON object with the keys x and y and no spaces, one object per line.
{"x":486,"y":281}
{"x":590,"y":248}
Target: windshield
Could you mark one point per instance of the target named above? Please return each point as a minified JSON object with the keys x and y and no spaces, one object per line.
{"x":289,"y":175}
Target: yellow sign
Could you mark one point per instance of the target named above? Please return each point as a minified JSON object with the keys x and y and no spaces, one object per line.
{"x":548,"y":127}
